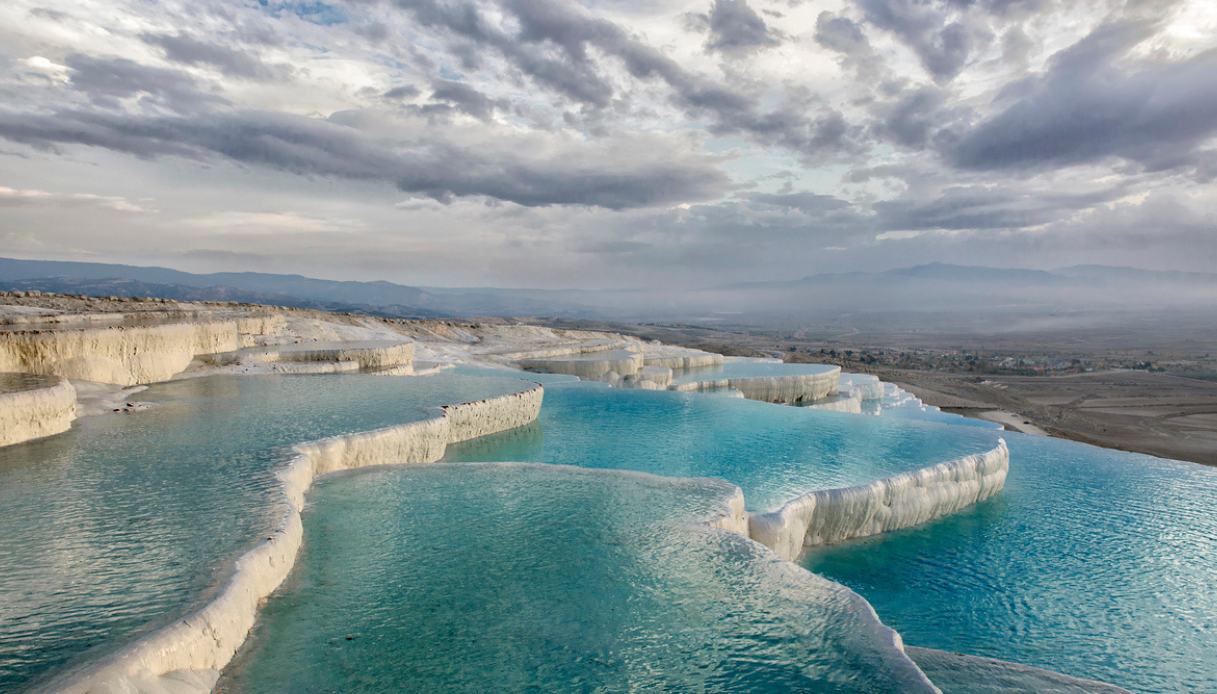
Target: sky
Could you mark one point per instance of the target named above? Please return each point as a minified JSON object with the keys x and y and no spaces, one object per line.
{"x":608,"y":143}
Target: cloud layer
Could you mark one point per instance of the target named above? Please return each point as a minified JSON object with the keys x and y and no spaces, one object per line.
{"x":548,"y":142}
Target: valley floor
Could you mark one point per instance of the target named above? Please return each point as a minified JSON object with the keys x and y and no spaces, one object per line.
{"x":1153,"y":413}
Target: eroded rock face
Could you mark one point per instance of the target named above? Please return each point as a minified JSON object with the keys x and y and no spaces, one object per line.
{"x":124,"y":355}
{"x":892,"y":503}
{"x":32,"y":407}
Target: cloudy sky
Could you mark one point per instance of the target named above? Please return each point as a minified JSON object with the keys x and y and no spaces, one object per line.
{"x":665,"y":143}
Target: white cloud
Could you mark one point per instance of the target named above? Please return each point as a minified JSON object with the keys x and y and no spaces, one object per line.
{"x":598,"y":142}
{"x":11,"y":197}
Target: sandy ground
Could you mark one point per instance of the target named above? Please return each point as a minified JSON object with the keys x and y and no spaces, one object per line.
{"x":1153,"y":413}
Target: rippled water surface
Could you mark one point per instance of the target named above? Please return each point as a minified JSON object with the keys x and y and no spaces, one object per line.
{"x":1092,"y":562}
{"x":483,"y":578}
{"x":773,"y":452}
{"x":126,"y":519}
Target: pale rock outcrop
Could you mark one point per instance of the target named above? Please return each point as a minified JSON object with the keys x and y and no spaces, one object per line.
{"x":32,"y":407}
{"x":608,"y":366}
{"x":849,"y":403}
{"x":892,"y":503}
{"x":679,"y":358}
{"x":788,"y":390}
{"x":188,"y":655}
{"x":124,"y":355}
{"x":368,"y":355}
{"x":314,"y":367}
{"x":470,"y":420}
{"x":864,"y":386}
{"x":653,"y":378}
{"x":735,"y":516}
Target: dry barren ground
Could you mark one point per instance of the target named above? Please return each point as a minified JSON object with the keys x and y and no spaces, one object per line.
{"x":1152,"y":413}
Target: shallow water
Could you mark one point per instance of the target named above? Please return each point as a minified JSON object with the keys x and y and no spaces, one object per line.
{"x":1095,"y":563}
{"x":773,"y":452}
{"x":479,"y":578}
{"x":1092,"y":562}
{"x":18,"y":382}
{"x":127,"y":520}
{"x":747,"y":368}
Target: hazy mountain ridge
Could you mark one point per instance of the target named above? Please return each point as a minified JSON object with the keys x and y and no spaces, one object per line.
{"x":922,"y":289}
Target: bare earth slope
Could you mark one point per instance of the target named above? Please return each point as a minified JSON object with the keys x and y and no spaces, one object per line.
{"x":1152,"y":413}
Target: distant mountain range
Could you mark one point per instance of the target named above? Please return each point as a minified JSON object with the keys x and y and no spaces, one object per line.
{"x":376,"y":297}
{"x":944,"y":272}
{"x":932,"y":288}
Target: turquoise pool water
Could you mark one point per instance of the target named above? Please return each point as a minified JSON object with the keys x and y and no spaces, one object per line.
{"x":483,"y":578}
{"x":773,"y":452}
{"x":128,"y":519}
{"x":748,"y":368}
{"x":1092,"y":562}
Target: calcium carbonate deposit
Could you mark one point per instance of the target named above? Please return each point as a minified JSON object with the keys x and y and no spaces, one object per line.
{"x":32,"y":407}
{"x":631,"y":530}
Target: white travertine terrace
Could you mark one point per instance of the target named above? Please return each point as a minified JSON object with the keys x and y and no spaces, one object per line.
{"x":127,"y":354}
{"x":892,"y":503}
{"x":863,"y":386}
{"x":647,"y":366}
{"x":653,"y":378}
{"x":32,"y":407}
{"x":736,"y":518}
{"x":610,"y":366}
{"x":188,"y":655}
{"x":318,"y":367}
{"x":679,"y":358}
{"x":849,"y":403}
{"x":376,"y":355}
{"x":788,"y":390}
{"x":566,"y":348}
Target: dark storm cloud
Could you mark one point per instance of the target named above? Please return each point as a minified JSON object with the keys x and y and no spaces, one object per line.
{"x":1090,"y":104}
{"x":465,"y":98}
{"x":425,"y":162}
{"x":185,"y":49}
{"x":913,"y":116}
{"x":576,"y":79}
{"x":106,"y":81}
{"x":405,"y":91}
{"x":845,"y":36}
{"x":737,"y":28}
{"x":553,"y":45}
{"x":942,"y":46}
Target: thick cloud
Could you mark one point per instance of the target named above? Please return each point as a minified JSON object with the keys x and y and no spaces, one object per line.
{"x":553,"y":45}
{"x":417,"y":159}
{"x":943,"y":44}
{"x":913,"y":116}
{"x":562,"y":142}
{"x":1094,"y":102}
{"x":845,"y":36}
{"x":183,"y":48}
{"x":108,"y":81}
{"x":737,"y":28}
{"x":465,"y":98}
